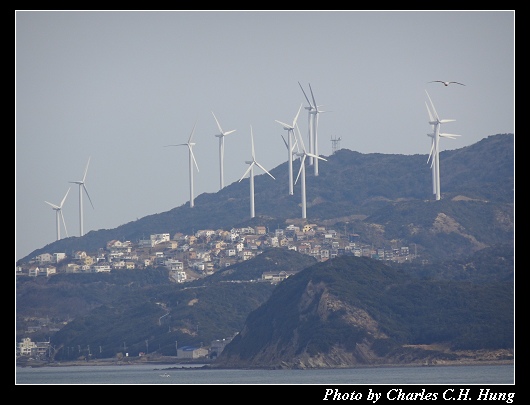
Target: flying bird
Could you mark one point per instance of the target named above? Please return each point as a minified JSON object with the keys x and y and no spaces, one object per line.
{"x":446,"y":83}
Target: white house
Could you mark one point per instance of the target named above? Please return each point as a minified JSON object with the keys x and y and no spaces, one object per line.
{"x":44,"y":258}
{"x":190,"y":352}
{"x":57,"y":257}
{"x":101,"y":268}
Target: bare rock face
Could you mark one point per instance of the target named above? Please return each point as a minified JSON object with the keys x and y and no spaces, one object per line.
{"x":357,"y":312}
{"x":316,"y":301}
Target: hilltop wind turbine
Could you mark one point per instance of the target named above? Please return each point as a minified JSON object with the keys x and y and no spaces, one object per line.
{"x":191,"y":160}
{"x":434,"y":155}
{"x":59,"y":214}
{"x":82,"y":187}
{"x":302,"y":156}
{"x":251,"y":176}
{"x":221,"y":137}
{"x":290,"y":134}
{"x":313,"y":112}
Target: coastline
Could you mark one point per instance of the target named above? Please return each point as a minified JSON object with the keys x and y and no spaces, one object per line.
{"x":196,"y":364}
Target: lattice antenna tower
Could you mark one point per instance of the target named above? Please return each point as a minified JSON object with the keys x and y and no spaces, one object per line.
{"x":335,"y":144}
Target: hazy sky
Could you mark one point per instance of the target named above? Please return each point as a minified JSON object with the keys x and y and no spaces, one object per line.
{"x":117,"y":86}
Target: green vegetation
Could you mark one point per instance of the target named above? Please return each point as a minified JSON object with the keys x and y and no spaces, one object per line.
{"x":407,"y":306}
{"x":389,"y":190}
{"x":460,"y":290}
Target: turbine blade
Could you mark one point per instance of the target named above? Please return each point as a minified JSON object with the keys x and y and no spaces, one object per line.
{"x":86,"y":192}
{"x":431,"y":155}
{"x":315,"y":156}
{"x":64,"y":224}
{"x":265,"y":170}
{"x":193,"y":157}
{"x":300,"y":137}
{"x":295,"y":145}
{"x":285,"y":142}
{"x":435,"y":114}
{"x":313,"y":96}
{"x":252,"y":143}
{"x":247,"y":171}
{"x":62,"y":202}
{"x":286,"y":126}
{"x":305,"y":95}
{"x":302,"y":162}
{"x":53,"y":205}
{"x":218,"y":125}
{"x":432,"y":147}
{"x":452,"y":136}
{"x":86,"y":169}
{"x":297,"y":114}
{"x":431,"y":119}
{"x":192,"y":131}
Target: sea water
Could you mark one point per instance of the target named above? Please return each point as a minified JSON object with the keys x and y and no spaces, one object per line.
{"x":167,"y":374}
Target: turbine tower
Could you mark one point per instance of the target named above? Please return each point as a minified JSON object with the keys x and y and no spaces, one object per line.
{"x":313,"y":112}
{"x":59,"y":214}
{"x":434,"y":155}
{"x":302,"y":156}
{"x":290,"y":134}
{"x":82,"y":187}
{"x":251,"y":176}
{"x":221,"y":137}
{"x":191,"y":160}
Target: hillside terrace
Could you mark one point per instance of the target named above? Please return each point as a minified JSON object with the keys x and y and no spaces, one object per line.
{"x":188,"y":257}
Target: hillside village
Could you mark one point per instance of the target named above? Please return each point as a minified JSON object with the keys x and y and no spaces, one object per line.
{"x":188,"y":257}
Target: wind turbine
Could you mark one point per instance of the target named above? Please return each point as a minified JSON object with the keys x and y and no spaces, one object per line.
{"x":82,"y":187}
{"x":290,"y":134}
{"x":434,"y":155}
{"x":251,"y":177}
{"x":191,"y":160}
{"x":302,"y":156}
{"x":313,"y":112}
{"x":221,"y":137}
{"x":310,"y":116}
{"x":59,"y":215}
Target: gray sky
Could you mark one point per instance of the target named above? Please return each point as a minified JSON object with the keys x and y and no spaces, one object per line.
{"x":119,"y":86}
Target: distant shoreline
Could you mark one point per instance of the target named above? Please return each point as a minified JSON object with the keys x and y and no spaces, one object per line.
{"x":206,"y":364}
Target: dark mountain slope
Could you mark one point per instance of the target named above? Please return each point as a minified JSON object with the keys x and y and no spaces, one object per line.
{"x":357,"y":311}
{"x":126,"y":305}
{"x":313,"y":318}
{"x":350,"y":185}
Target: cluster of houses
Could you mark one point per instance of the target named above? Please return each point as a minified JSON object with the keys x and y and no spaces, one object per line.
{"x":191,"y":256}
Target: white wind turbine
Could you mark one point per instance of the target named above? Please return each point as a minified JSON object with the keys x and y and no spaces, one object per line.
{"x":82,"y":187}
{"x":310,"y":116}
{"x":221,"y":137}
{"x":59,"y":214}
{"x":290,"y":134}
{"x":251,"y":176}
{"x":313,"y":112}
{"x":191,"y":159}
{"x":302,"y":156}
{"x":434,"y":155}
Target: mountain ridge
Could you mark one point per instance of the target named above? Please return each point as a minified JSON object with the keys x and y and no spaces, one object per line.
{"x":353,"y":185}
